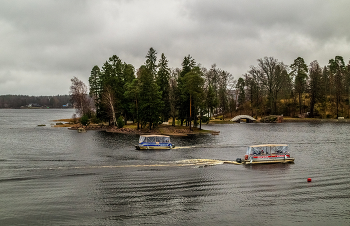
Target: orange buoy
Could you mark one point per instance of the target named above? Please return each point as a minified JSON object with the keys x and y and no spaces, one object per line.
{"x":308,"y":179}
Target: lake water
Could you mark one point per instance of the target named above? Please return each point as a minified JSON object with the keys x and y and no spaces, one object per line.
{"x":56,"y":176}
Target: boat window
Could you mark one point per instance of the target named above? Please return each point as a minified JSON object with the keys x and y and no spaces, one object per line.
{"x":284,"y":150}
{"x":142,"y":139}
{"x":248,"y":151}
{"x":267,"y":150}
{"x":164,"y":139}
{"x":151,"y":139}
{"x":279,"y":149}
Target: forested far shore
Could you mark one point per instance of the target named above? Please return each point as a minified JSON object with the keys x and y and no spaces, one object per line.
{"x":154,"y":93}
{"x":25,"y":101}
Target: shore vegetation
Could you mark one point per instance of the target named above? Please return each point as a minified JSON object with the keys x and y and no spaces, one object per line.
{"x":153,"y":93}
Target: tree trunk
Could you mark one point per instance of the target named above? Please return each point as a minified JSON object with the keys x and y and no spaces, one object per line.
{"x":190,"y":111}
{"x":137,"y":116}
{"x":299,"y":103}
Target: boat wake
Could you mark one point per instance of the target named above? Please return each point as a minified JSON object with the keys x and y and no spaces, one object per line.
{"x":184,"y":147}
{"x":203,"y":162}
{"x":180,"y":163}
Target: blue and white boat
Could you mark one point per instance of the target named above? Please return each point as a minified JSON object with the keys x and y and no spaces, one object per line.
{"x":154,"y":142}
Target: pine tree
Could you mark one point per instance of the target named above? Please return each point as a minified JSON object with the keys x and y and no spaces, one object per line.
{"x":150,"y":103}
{"x":164,"y":86}
{"x":183,"y":101}
{"x":299,"y":69}
{"x":95,"y":88}
{"x":241,"y":92}
{"x":315,"y":85}
{"x":337,"y":68}
{"x":193,"y":88}
{"x":151,"y":61}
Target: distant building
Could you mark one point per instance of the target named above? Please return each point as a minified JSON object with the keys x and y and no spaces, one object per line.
{"x":34,"y":105}
{"x":66,"y":105}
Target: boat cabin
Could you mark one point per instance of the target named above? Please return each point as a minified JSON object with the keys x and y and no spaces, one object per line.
{"x":154,"y":139}
{"x":154,"y":142}
{"x":268,"y":149}
{"x":268,"y":153}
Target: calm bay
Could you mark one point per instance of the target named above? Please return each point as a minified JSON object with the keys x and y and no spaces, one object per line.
{"x":56,"y":176}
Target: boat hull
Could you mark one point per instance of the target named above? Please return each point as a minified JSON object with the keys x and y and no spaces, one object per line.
{"x":269,"y":159}
{"x":140,"y":147}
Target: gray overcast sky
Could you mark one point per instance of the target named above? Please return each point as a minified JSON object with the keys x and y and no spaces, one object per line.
{"x":44,"y":43}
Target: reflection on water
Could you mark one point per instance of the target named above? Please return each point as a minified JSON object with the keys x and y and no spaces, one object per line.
{"x":55,"y":176}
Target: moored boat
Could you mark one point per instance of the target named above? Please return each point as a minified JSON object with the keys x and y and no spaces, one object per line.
{"x":154,"y":142}
{"x":267,"y":153}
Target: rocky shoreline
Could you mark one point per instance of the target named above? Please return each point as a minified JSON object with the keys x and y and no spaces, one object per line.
{"x":131,"y":129}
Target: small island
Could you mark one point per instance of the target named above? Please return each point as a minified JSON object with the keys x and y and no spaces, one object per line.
{"x":131,"y":128}
{"x":159,"y":100}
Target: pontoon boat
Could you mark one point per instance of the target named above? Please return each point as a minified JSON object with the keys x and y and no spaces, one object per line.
{"x":154,"y":142}
{"x":267,"y":153}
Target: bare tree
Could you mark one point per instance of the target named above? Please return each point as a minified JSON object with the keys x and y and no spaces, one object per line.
{"x":272,"y":77}
{"x":79,"y":97}
{"x":108,"y":100}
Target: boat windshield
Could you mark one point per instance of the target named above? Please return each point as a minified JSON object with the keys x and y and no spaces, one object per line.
{"x":268,"y":149}
{"x":142,"y":139}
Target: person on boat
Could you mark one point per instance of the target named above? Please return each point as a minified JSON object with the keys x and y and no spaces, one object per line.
{"x":262,"y":152}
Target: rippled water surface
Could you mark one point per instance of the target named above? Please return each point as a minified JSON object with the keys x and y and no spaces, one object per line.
{"x":56,"y":176}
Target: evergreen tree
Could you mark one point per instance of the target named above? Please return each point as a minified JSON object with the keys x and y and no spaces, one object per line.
{"x":211,"y":100}
{"x":325,"y":90}
{"x":241,"y":92}
{"x":128,"y":77}
{"x":132,"y":93}
{"x":150,"y":103}
{"x":315,"y":85}
{"x":95,"y":88}
{"x":299,"y":69}
{"x":255,"y":89}
{"x":151,"y":61}
{"x":224,"y":78}
{"x":183,"y":101}
{"x":173,"y":98}
{"x":337,"y":68}
{"x":213,"y":78}
{"x":164,"y":86}
{"x":193,"y":88}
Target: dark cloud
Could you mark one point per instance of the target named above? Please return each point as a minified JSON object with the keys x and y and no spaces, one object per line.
{"x":44,"y":43}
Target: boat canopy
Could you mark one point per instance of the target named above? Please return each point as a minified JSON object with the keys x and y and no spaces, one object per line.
{"x":267,"y":149}
{"x":154,"y":139}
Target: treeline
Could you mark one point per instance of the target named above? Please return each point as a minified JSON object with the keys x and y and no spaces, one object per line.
{"x":18,"y":101}
{"x":297,"y":90}
{"x":155,"y":93}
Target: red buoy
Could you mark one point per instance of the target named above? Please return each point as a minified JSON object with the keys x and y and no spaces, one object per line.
{"x":308,"y":179}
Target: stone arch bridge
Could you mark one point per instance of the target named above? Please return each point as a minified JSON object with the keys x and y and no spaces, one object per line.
{"x":248,"y":118}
